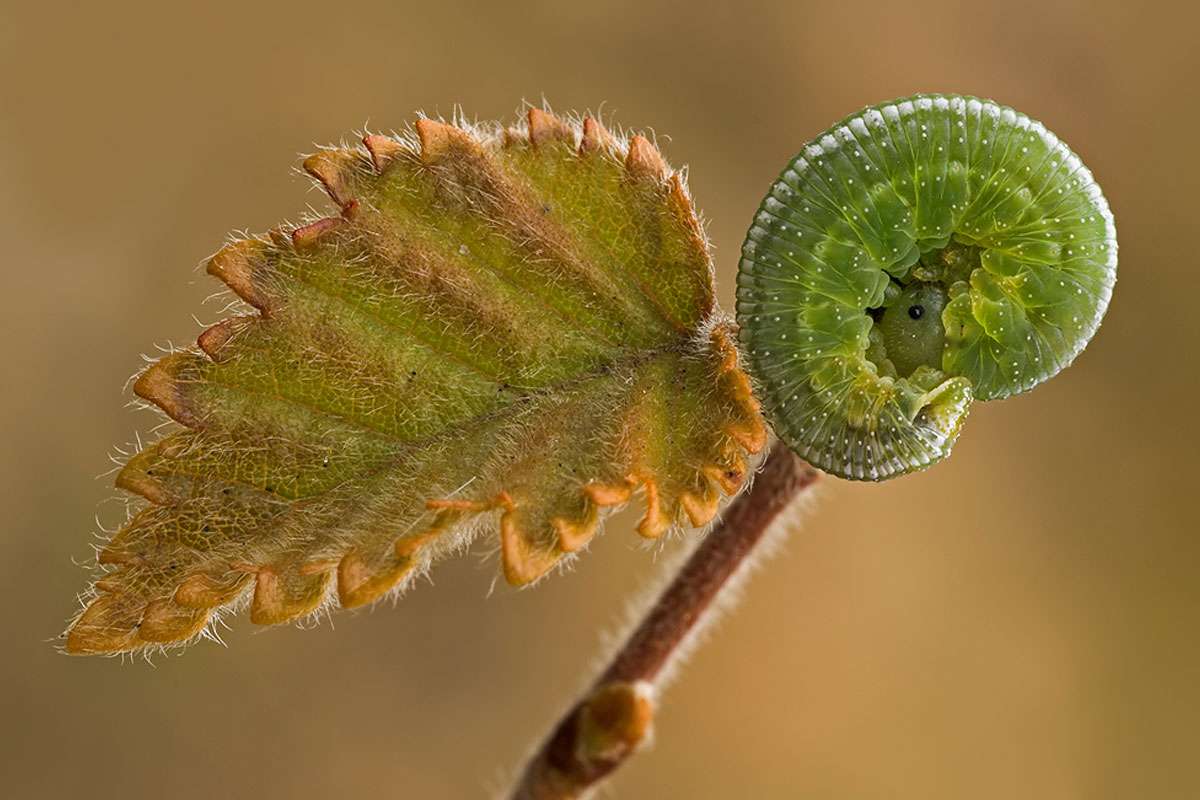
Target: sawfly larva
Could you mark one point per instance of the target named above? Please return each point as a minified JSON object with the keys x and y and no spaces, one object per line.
{"x":916,"y":256}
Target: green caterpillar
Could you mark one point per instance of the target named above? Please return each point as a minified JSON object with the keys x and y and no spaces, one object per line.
{"x":916,"y":256}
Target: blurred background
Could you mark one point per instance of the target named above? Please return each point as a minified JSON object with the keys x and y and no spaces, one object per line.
{"x":1020,"y":621}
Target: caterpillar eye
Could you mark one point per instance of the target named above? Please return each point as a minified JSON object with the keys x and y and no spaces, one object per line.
{"x":917,"y":256}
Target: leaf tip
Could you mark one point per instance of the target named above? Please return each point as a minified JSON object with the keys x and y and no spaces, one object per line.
{"x":281,"y":596}
{"x":334,"y":170}
{"x":213,"y":339}
{"x":158,"y":385}
{"x":201,"y":590}
{"x":655,"y":522}
{"x":383,"y":149}
{"x":165,"y":621}
{"x":595,"y":137}
{"x":609,"y":494}
{"x":107,"y":625}
{"x":700,"y":507}
{"x":523,"y":562}
{"x":644,"y":160}
{"x":438,"y":139}
{"x":235,"y":265}
{"x":307,"y":237}
{"x":574,"y":534}
{"x":360,"y":584}
{"x":134,"y":480}
{"x":545,"y":128}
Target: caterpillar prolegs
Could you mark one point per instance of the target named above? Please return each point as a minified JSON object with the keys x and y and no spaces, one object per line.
{"x":918,"y":255}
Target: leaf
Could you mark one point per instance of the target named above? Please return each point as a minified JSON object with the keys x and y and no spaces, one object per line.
{"x":504,"y":331}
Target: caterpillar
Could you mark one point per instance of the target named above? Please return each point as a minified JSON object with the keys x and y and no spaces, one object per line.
{"x":917,"y":256}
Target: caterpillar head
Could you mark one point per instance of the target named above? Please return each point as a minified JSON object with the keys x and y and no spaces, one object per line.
{"x":917,"y":256}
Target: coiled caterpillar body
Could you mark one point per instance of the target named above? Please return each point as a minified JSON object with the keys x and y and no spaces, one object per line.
{"x":918,"y":255}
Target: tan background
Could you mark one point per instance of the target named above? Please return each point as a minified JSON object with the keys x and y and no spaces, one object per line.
{"x":1020,"y":622}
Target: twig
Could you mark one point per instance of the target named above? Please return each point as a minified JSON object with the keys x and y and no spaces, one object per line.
{"x":615,"y":717}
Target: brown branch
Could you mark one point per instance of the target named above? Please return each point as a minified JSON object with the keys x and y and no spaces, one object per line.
{"x":615,"y":717}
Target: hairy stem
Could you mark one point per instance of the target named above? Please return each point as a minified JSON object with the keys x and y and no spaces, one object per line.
{"x":615,"y":716}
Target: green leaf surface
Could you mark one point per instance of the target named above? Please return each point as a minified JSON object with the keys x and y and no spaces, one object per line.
{"x":506,"y":331}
